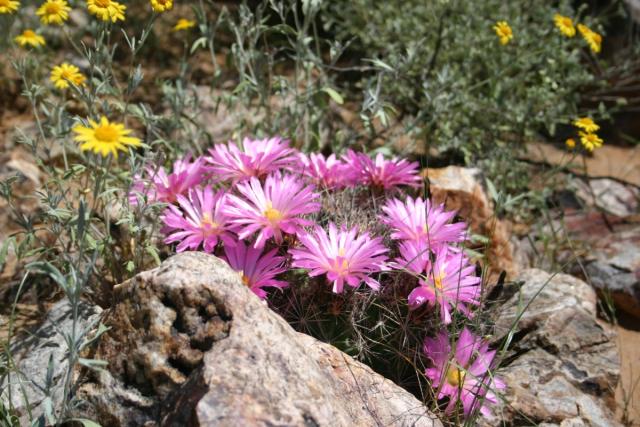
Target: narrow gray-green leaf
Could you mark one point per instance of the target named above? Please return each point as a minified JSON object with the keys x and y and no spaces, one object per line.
{"x":334,"y":95}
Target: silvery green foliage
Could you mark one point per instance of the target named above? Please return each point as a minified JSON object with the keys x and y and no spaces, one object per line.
{"x":456,"y":88}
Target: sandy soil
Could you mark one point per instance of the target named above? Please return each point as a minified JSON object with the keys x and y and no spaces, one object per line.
{"x":628,"y":392}
{"x":621,"y":163}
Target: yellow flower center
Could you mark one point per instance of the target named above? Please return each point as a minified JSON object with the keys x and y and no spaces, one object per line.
{"x":107,"y":133}
{"x":272,"y":215}
{"x":4,"y":3}
{"x":455,"y":376}
{"x":103,"y":3}
{"x":52,"y":8}
{"x":437,"y":281}
{"x":29,"y":34}
{"x":66,"y":75}
{"x":344,"y":265}
{"x":208,"y":223}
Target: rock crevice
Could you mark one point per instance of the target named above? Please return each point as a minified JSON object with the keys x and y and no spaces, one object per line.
{"x":190,"y":345}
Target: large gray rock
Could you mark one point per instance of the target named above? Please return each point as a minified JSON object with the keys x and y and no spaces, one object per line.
{"x":191,"y":345}
{"x":563,"y":366}
{"x":29,"y":386}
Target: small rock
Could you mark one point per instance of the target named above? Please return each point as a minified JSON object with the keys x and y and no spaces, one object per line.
{"x":612,"y":265}
{"x":21,"y":166}
{"x":600,"y":248}
{"x":609,"y":195}
{"x":191,"y":345}
{"x":9,"y":267}
{"x":25,"y":166}
{"x":32,"y":355}
{"x":563,"y":364}
{"x":621,"y":285}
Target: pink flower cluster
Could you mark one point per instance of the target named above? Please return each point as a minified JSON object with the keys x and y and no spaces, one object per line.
{"x":264,"y":193}
{"x":463,"y":374}
{"x":426,"y":239}
{"x":256,"y":203}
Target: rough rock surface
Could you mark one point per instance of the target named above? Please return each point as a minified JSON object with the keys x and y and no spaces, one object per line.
{"x":613,"y":268}
{"x":608,"y":247}
{"x":563,"y":367}
{"x":19,"y":166}
{"x":609,"y":195}
{"x":602,"y":249}
{"x":190,"y":345}
{"x":32,"y":355}
{"x":461,"y":189}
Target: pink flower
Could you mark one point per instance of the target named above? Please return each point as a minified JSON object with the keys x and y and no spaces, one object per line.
{"x":450,"y":282}
{"x":166,"y":188}
{"x":464,"y":375}
{"x":419,"y":221}
{"x":272,"y":208}
{"x":257,"y":270}
{"x":254,"y":158}
{"x":204,"y":223}
{"x":414,"y":257}
{"x":329,"y":173}
{"x":342,"y":255}
{"x":382,"y":173}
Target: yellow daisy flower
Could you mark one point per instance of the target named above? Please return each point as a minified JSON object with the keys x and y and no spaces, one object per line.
{"x":65,"y":73}
{"x":593,"y":39}
{"x":105,"y":138}
{"x":53,"y":12}
{"x":8,"y":6}
{"x":565,"y":25}
{"x":586,"y":124}
{"x":107,"y":10}
{"x":183,"y":24}
{"x":504,"y":31}
{"x":590,"y":141}
{"x":570,"y":143}
{"x":29,"y":37}
{"x":161,"y":5}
